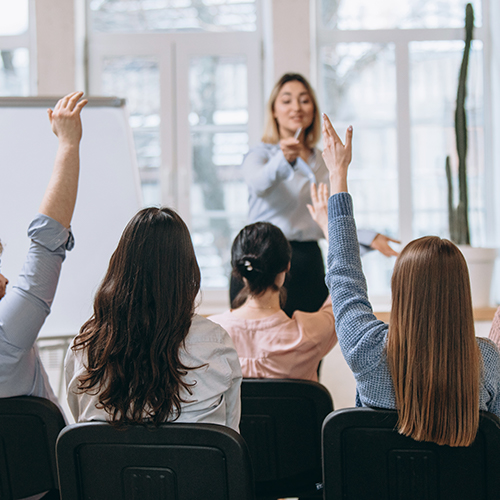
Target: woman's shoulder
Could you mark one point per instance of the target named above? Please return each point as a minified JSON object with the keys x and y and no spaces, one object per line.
{"x":490,"y":354}
{"x":203,"y":330}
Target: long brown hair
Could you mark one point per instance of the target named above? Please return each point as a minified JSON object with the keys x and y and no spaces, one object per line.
{"x":432,"y":351}
{"x":142,"y":314}
{"x":271,"y":130}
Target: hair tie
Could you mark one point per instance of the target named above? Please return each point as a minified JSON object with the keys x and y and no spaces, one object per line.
{"x":248,"y":265}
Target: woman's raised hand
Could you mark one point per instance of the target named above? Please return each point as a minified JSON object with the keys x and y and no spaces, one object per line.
{"x":319,"y":207}
{"x":65,"y":119}
{"x":337,"y":156}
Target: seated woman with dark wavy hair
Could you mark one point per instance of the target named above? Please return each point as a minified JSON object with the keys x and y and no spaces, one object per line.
{"x":144,"y":355}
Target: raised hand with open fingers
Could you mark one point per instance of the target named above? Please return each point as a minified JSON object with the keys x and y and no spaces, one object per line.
{"x":319,"y":207}
{"x":337,"y":156}
{"x":65,"y":118}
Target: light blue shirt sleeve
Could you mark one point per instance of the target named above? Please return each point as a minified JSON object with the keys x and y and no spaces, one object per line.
{"x":23,"y":309}
{"x":279,"y":192}
{"x":365,"y":238}
{"x":262,"y":173}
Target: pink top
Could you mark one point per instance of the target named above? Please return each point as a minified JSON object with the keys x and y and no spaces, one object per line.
{"x":495,"y":328}
{"x":280,"y":347}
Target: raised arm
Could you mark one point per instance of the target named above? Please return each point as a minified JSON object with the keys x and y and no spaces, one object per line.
{"x":23,"y":310}
{"x":60,"y":196}
{"x":361,"y":336}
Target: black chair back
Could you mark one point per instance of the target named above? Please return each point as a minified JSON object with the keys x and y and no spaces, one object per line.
{"x":29,"y":427}
{"x":172,"y":462}
{"x":281,"y":422}
{"x":365,"y":457}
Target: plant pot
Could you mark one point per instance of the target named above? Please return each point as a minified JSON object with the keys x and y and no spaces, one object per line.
{"x":480,"y":262}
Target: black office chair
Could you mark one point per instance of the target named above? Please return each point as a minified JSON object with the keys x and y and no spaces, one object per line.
{"x":281,"y":422}
{"x":29,"y":427}
{"x":172,"y":462}
{"x":365,"y":457}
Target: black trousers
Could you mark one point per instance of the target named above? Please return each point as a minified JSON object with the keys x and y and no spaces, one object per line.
{"x":305,"y":283}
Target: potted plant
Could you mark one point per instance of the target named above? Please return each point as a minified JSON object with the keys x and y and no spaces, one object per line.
{"x":479,"y":260}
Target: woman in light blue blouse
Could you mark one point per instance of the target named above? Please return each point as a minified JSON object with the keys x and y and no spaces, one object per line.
{"x":427,"y":363}
{"x":279,"y":172}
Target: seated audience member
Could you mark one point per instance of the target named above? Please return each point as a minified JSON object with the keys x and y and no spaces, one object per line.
{"x":495,"y":328}
{"x":269,"y":343}
{"x":427,"y":363}
{"x":144,"y":355}
{"x":24,"y":309}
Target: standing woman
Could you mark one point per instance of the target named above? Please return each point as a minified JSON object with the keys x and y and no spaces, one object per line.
{"x":278,"y":173}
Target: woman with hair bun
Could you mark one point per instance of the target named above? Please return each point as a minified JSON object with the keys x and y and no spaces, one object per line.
{"x":268,"y":342}
{"x":145,"y":356}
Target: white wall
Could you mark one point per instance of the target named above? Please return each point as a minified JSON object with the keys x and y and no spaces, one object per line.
{"x":55,"y":46}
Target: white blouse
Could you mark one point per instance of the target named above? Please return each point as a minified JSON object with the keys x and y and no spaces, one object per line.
{"x":215,"y":394}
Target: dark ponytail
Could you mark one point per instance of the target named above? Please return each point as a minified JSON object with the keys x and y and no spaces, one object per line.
{"x":259,"y":253}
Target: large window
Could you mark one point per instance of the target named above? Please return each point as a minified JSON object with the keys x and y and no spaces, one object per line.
{"x":390,"y":68}
{"x":16,"y":76}
{"x":185,"y":68}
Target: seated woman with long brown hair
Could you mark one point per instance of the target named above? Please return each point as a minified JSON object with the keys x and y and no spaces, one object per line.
{"x":427,"y":363}
{"x":144,"y":355}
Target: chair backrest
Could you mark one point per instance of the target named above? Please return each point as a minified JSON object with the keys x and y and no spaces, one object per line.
{"x":29,"y":427}
{"x":172,"y":462}
{"x":365,"y":457}
{"x":281,"y":422}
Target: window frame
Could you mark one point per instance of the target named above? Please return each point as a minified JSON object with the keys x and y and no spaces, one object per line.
{"x":26,"y":40}
{"x":401,"y":39}
{"x":174,"y":51}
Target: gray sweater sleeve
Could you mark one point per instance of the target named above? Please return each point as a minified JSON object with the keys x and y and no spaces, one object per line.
{"x":361,"y":336}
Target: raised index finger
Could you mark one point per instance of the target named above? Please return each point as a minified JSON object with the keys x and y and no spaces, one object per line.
{"x":329,"y":129}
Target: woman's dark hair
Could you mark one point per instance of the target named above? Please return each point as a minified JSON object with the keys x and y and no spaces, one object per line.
{"x":142,"y":314}
{"x":259,"y":253}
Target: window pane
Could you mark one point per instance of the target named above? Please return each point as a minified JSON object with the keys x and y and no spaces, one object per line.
{"x":359,"y":89}
{"x":434,"y":79}
{"x":138,"y":80}
{"x":118,"y":16}
{"x":390,"y":14}
{"x":218,"y":118}
{"x":13,"y":17}
{"x":14,"y":72}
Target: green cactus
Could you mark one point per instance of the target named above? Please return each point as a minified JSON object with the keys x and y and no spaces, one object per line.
{"x":458,"y":217}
